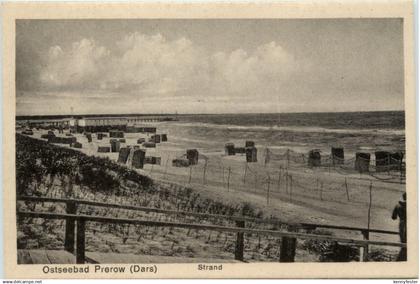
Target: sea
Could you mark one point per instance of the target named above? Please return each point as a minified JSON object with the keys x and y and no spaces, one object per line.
{"x":301,"y":132}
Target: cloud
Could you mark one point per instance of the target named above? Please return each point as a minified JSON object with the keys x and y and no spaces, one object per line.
{"x":266,"y":69}
{"x":155,"y":65}
{"x":79,"y":67}
{"x":147,"y":65}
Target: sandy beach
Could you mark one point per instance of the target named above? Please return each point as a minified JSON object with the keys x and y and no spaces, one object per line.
{"x":303,"y":199}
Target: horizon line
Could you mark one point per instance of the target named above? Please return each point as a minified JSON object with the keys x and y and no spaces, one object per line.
{"x":208,"y":113}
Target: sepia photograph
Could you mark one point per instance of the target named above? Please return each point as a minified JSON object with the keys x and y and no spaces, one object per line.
{"x":210,"y":142}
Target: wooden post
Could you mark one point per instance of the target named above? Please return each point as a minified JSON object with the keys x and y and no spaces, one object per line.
{"x":370,"y":205}
{"x":362,"y":254}
{"x":246,"y":167}
{"x":291,"y":187}
{"x":347,"y":189}
{"x":80,"y":245}
{"x":268,"y":189}
{"x":320,"y":190}
{"x":228,"y":179}
{"x":389,"y":162}
{"x":266,"y":157}
{"x":69,"y":239}
{"x":288,"y":249}
{"x":223,"y":176}
{"x":239,"y":248}
{"x":204,"y":172}
{"x":366,"y":234}
{"x":189,"y":179}
{"x":166,"y":168}
{"x":287,"y":154}
{"x":279,"y":180}
{"x":255,"y":182}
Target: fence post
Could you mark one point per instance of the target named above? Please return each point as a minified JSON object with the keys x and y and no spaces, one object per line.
{"x":228,"y":179}
{"x":204,"y":172}
{"x":266,"y":159}
{"x":223,"y":176}
{"x":268,"y":189}
{"x":255,"y":182}
{"x":80,"y":245}
{"x":320,"y":190}
{"x":291,"y":186}
{"x":347,"y":189}
{"x":365,"y":234}
{"x":239,"y":248}
{"x":246,"y":167}
{"x":370,"y":204}
{"x":287,"y":154}
{"x":69,"y":239}
{"x":279,"y":181}
{"x":166,"y":168}
{"x":362,"y":254}
{"x":189,"y":179}
{"x":288,"y":249}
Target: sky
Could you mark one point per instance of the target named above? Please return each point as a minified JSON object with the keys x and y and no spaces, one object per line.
{"x":208,"y":66}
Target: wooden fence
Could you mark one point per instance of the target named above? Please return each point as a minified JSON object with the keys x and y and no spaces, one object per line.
{"x":288,"y":238}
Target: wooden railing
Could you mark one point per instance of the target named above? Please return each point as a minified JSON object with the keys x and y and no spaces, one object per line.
{"x":272,"y":221}
{"x":288,"y":239}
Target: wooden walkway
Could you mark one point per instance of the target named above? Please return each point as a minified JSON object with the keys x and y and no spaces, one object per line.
{"x":63,"y":257}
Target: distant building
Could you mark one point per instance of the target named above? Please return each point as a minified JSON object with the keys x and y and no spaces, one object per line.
{"x":47,"y":123}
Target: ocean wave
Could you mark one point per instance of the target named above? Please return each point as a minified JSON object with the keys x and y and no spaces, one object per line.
{"x":291,"y":128}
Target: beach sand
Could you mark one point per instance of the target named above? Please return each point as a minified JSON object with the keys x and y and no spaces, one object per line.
{"x":299,"y":201}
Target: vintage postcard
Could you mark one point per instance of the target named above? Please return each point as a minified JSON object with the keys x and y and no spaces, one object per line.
{"x":272,"y":140}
